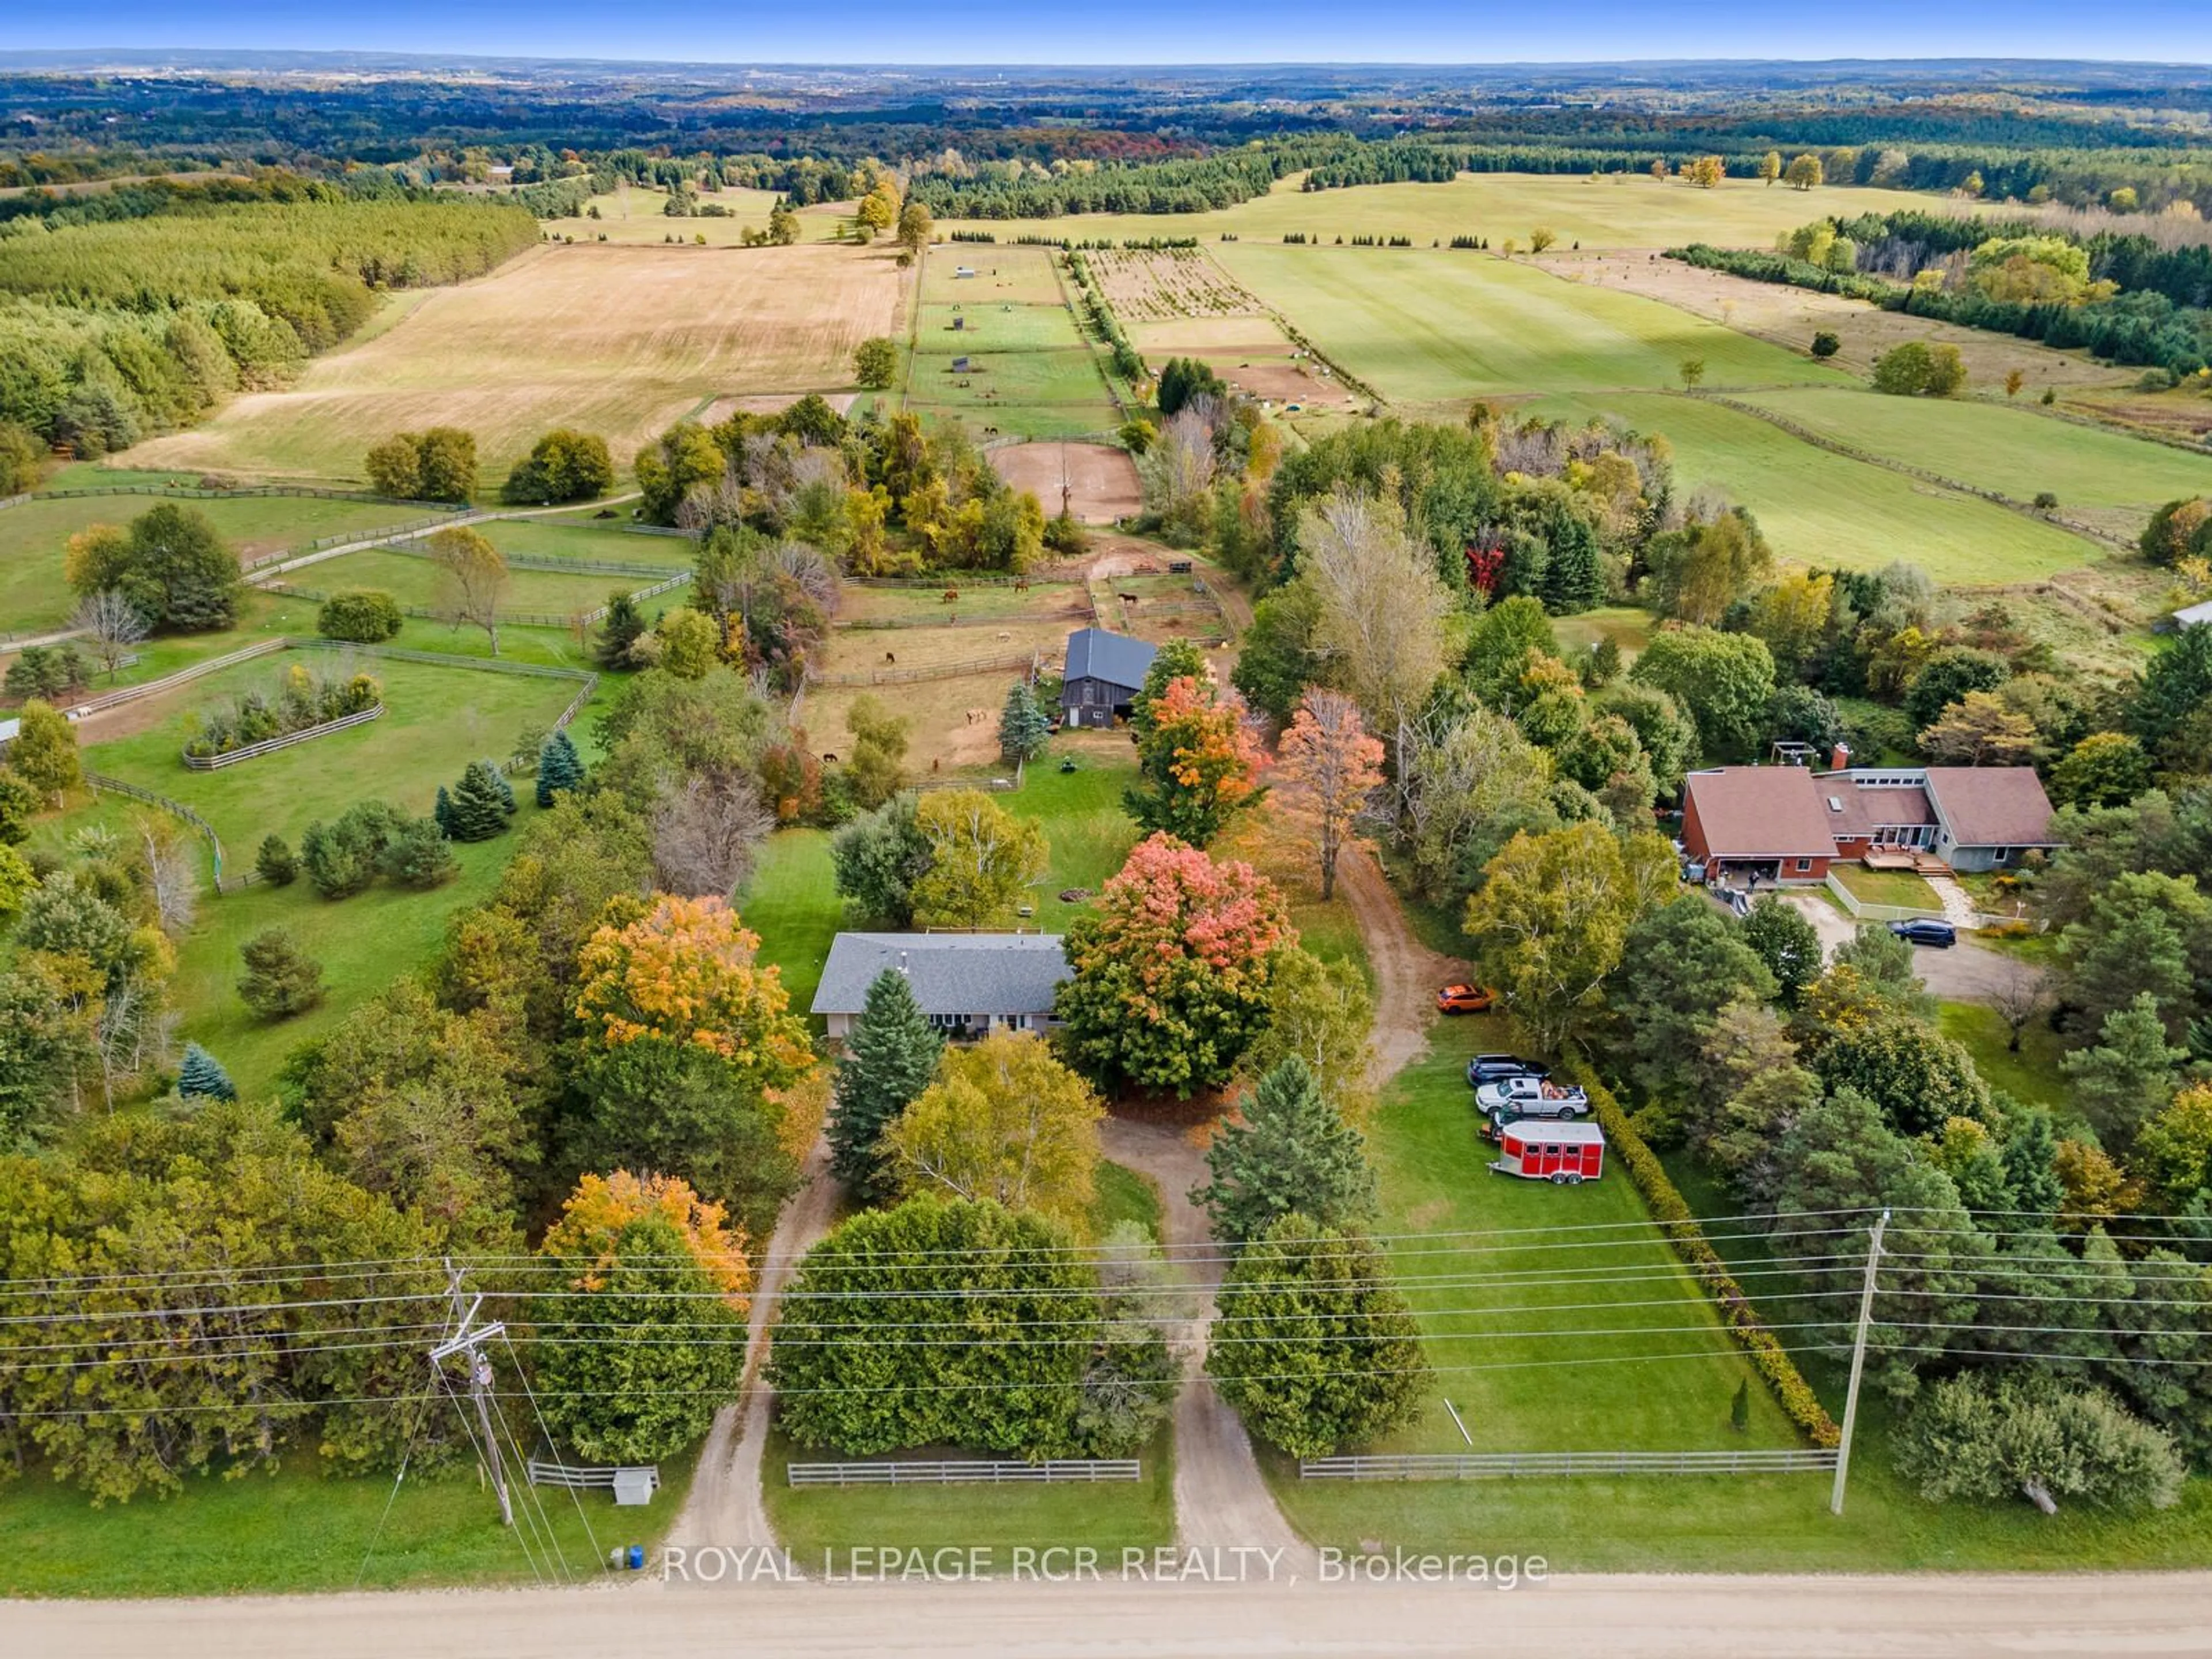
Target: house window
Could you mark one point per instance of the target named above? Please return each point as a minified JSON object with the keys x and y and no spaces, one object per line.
{"x":2003,"y":855}
{"x":1804,"y":864}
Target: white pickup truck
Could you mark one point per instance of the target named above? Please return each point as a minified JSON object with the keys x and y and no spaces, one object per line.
{"x":1533,"y":1097}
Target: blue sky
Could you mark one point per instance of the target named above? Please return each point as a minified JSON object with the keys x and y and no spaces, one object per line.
{"x":1147,"y":31}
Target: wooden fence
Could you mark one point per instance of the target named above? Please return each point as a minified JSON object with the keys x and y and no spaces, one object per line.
{"x":192,"y":492}
{"x":947,"y":671}
{"x":1484,"y":1465}
{"x":101,"y":781}
{"x":966,"y":1472}
{"x":183,"y":676}
{"x":271,"y":745}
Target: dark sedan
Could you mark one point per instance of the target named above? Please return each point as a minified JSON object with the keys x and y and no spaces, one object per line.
{"x":1924,"y":930}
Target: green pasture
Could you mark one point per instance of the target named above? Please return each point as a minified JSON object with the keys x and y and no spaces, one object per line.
{"x":1429,"y":327}
{"x":413,"y":580}
{"x":1820,"y":509}
{"x":1629,"y":211}
{"x":1082,"y":817}
{"x":792,"y":904}
{"x":561,"y":538}
{"x":436,"y":719}
{"x":1999,"y":446}
{"x":996,"y":325}
{"x":32,"y":536}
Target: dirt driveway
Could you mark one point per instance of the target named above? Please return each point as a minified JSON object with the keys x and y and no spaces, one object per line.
{"x":1968,"y":972}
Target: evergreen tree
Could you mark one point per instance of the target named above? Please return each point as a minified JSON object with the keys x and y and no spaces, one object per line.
{"x":2030,"y":1156}
{"x":1292,"y":1151}
{"x":201,"y":1076}
{"x":1574,"y":580}
{"x":476,"y":810}
{"x":891,"y":1058}
{"x":559,"y":767}
{"x":276,"y":862}
{"x":502,"y":787}
{"x":2128,"y":1074}
{"x":280,"y":978}
{"x":441,"y":813}
{"x":1314,"y":1344}
{"x":1024,"y":726}
{"x":618,"y":630}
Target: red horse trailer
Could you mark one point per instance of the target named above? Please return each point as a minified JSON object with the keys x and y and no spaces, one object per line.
{"x":1565,"y":1154}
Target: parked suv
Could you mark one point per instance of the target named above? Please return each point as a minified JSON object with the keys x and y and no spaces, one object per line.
{"x":1494,"y":1068}
{"x":1926,"y":930}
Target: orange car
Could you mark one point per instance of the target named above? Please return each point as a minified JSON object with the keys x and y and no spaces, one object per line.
{"x":1464,"y":999}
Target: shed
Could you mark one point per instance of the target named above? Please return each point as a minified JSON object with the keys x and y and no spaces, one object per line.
{"x":1105,"y":672}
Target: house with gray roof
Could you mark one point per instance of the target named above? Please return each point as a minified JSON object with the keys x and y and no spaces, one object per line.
{"x":968,"y":984}
{"x":1105,"y":672}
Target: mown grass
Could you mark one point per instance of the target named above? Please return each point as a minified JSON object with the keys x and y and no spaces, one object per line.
{"x":1428,"y":327}
{"x":1627,"y":211}
{"x":2011,"y":450}
{"x":1820,"y":509}
{"x":1899,"y":887}
{"x":1124,"y":1195}
{"x":413,"y":580}
{"x":294,"y":1531}
{"x":813,"y":1520}
{"x":791,"y":902}
{"x":2030,"y":1075}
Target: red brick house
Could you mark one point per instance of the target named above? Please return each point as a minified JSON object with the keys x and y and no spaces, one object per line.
{"x":1788,"y":824}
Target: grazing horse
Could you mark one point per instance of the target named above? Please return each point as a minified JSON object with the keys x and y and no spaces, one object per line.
{"x":950,"y":596}
{"x":888,"y":657}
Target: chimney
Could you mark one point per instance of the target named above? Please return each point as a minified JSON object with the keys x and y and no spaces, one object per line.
{"x":1840,"y":758}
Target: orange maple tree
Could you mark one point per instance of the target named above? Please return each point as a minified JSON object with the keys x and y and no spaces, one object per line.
{"x":1200,"y":757}
{"x":592,"y":1220}
{"x":1328,"y":767}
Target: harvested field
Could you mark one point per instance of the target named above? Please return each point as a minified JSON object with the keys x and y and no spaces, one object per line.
{"x":1251,"y":352}
{"x":768,"y":402}
{"x":1791,"y":316}
{"x":1101,"y":479}
{"x":620,"y":341}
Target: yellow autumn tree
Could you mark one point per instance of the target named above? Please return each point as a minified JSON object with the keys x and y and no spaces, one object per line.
{"x":686,"y":971}
{"x":594,"y":1216}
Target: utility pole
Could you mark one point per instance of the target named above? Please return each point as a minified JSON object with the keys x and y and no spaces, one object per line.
{"x":467,"y":1340}
{"x":1858,"y":1364}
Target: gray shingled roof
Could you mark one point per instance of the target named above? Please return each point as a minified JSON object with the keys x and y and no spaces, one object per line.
{"x":1096,"y":653}
{"x":951,"y":973}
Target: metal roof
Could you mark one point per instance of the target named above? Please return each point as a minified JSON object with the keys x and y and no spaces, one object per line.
{"x":1543,"y":1132}
{"x":951,"y":973}
{"x":1097,"y":653}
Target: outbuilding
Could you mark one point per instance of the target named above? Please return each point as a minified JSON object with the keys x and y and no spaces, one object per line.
{"x":1565,"y":1154}
{"x":1105,"y":672}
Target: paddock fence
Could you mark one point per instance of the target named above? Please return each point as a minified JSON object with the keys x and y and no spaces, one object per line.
{"x":966,"y":1472}
{"x":946,"y":670}
{"x":1485,"y":1466}
{"x":101,"y":781}
{"x":289,"y":740}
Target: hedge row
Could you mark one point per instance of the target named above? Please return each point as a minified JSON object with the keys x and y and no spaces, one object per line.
{"x":1673,"y":1214}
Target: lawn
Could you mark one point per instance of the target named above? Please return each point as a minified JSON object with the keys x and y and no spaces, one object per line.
{"x":1627,"y":626}
{"x":1107,"y":1516}
{"x":1124,"y":1195}
{"x":1820,"y":509}
{"x":1082,"y":817}
{"x":1429,"y":327}
{"x":1629,"y":211}
{"x":605,"y":540}
{"x":2032,"y":1075}
{"x":791,"y":902}
{"x":414,"y":580}
{"x":1899,"y":887}
{"x":1999,"y":446}
{"x":32,"y":537}
{"x":437,"y":720}
{"x":294,"y":1531}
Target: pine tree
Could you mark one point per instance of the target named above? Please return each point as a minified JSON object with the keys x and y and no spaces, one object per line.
{"x":618,"y":631}
{"x":559,"y":767}
{"x":442,"y":814}
{"x":276,"y":862}
{"x":506,"y":790}
{"x":476,"y":810}
{"x":1023,"y":727}
{"x":202,"y":1077}
{"x":1740,"y":1407}
{"x":891,"y":1058}
{"x":1293,"y":1152}
{"x":280,"y":979}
